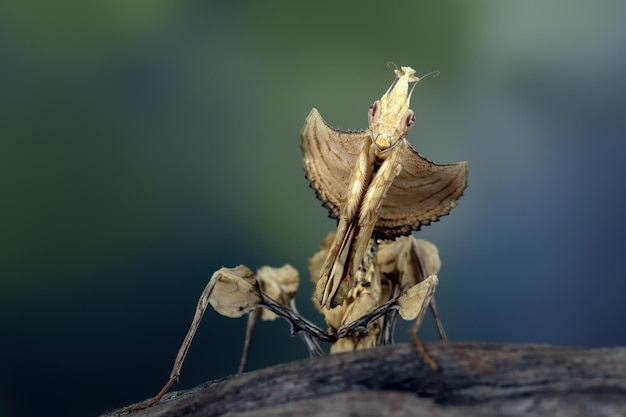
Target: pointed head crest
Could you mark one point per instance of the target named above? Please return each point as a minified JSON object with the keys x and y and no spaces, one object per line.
{"x":390,"y":117}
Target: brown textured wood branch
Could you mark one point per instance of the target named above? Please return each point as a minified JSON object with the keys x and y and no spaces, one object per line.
{"x":474,"y":379}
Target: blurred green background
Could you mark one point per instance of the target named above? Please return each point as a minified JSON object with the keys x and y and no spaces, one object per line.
{"x":144,"y":144}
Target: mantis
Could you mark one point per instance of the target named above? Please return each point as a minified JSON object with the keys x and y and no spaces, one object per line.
{"x":371,"y":269}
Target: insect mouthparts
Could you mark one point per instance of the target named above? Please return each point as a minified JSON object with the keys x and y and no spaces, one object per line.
{"x":382,"y":142}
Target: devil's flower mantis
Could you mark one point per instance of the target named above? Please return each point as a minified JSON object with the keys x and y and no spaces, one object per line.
{"x":379,"y":188}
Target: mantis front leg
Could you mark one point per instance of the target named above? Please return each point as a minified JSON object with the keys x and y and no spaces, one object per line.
{"x":334,"y":269}
{"x":372,"y":202}
{"x":356,"y":225}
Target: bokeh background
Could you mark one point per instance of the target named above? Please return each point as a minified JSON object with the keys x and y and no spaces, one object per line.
{"x":144,"y":144}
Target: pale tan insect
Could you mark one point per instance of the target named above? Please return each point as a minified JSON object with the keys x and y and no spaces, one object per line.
{"x":373,"y":181}
{"x":375,"y":184}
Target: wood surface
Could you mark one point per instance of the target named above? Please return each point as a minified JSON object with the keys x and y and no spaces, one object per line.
{"x":474,"y":379}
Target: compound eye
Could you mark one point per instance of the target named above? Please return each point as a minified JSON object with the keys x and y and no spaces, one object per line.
{"x":374,"y":108}
{"x":409,"y":121}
